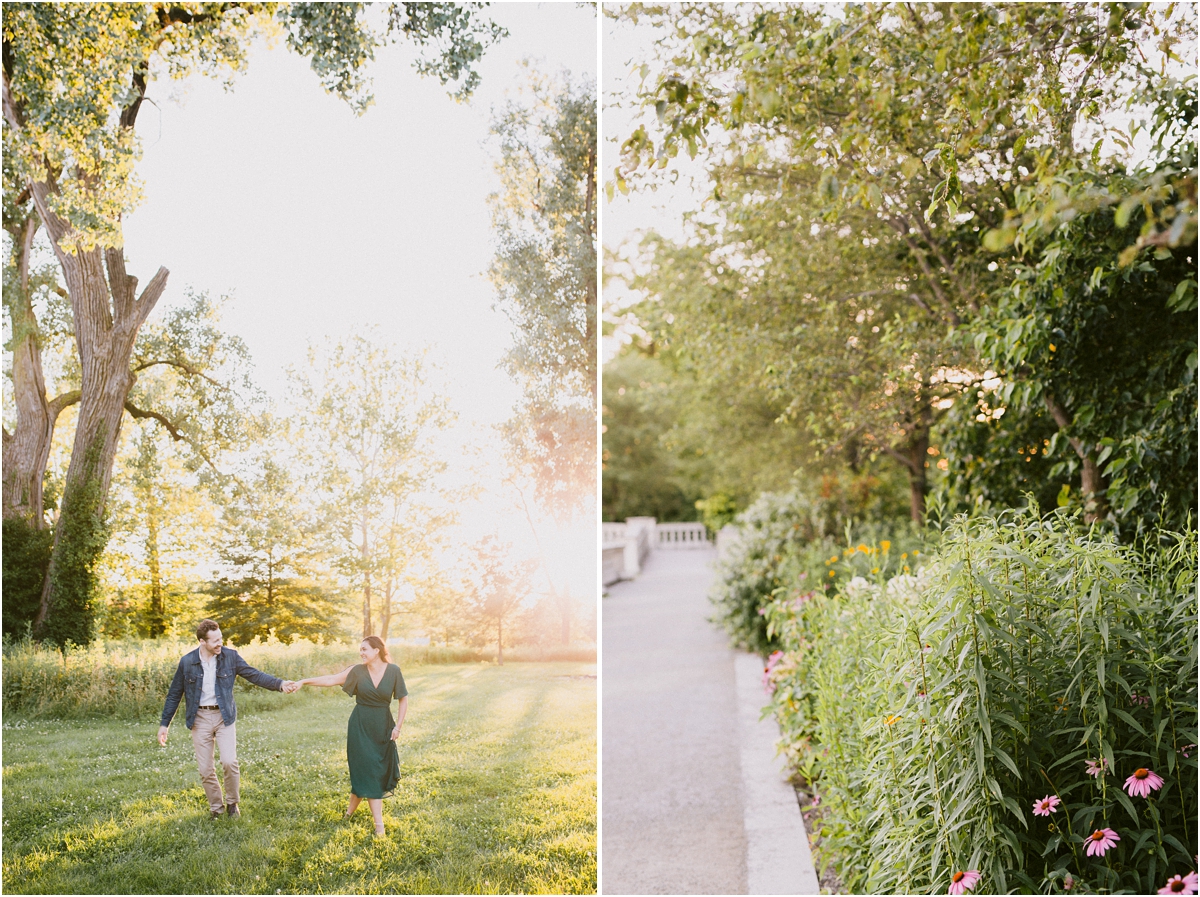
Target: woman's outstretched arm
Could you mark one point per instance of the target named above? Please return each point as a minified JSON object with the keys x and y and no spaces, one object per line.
{"x":331,"y":679}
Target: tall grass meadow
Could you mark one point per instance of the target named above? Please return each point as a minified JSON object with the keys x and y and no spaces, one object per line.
{"x":129,"y":679}
{"x":1029,"y":665}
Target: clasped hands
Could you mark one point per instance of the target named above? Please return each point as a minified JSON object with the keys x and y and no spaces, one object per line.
{"x":289,"y":686}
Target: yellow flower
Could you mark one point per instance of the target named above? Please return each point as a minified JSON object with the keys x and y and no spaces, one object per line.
{"x":906,"y":568}
{"x":833,"y":573}
{"x":874,"y":569}
{"x":891,"y":719}
{"x":904,"y":556}
{"x":1053,"y":348}
{"x":885,"y":545}
{"x":915,"y":553}
{"x":863,"y":549}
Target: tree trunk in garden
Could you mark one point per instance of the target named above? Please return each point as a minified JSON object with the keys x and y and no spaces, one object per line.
{"x":1091,"y":480}
{"x":500,"y":639}
{"x":158,"y":605}
{"x":27,"y":448}
{"x":104,"y":336}
{"x":107,"y":314}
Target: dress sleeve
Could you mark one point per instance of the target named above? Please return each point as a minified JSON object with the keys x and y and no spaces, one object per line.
{"x":399,"y":691}
{"x":350,"y":686}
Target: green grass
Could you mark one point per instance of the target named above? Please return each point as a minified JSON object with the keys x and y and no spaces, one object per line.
{"x":497,"y":795}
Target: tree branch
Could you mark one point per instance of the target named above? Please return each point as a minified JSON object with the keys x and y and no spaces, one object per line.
{"x":183,"y":366}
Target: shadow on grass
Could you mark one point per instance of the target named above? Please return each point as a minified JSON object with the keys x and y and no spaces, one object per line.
{"x":497,"y":795}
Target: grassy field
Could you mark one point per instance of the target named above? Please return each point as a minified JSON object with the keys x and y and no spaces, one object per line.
{"x":497,"y":795}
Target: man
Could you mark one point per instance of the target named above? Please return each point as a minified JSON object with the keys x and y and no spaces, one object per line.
{"x":205,"y":678}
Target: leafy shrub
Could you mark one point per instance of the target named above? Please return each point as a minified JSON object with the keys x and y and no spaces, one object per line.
{"x":26,"y":557}
{"x":784,"y":543}
{"x":935,"y":708}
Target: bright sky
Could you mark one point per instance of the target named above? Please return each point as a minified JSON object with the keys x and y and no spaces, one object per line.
{"x":319,"y":222}
{"x":626,"y":217}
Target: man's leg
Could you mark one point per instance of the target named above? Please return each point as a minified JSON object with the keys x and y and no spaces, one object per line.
{"x":203,"y":740}
{"x":227,"y":746}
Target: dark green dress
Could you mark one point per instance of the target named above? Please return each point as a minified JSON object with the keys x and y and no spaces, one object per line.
{"x":370,"y":751}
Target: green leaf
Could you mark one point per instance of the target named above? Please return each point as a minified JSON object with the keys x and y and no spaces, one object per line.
{"x":1125,"y":210}
{"x":1184,"y":297}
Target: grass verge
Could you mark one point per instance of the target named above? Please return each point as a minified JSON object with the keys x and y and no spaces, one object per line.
{"x":497,"y":795}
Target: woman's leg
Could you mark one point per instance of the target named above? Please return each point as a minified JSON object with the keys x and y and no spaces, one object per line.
{"x":355,"y":800}
{"x":376,"y":805}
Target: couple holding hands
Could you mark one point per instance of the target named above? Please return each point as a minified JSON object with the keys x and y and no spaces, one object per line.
{"x":204,"y":678}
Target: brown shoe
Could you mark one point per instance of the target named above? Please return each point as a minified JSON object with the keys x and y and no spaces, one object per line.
{"x":232,"y":810}
{"x":214,"y":814}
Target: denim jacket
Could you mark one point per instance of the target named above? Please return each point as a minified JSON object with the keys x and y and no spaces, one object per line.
{"x":189,"y":678}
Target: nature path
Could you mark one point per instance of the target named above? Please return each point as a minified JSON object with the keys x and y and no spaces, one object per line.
{"x":694,"y":799}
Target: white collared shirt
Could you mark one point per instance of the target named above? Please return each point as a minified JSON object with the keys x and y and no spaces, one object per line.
{"x":208,"y":687}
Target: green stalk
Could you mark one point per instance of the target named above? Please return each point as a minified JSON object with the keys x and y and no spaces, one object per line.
{"x":1070,"y":827}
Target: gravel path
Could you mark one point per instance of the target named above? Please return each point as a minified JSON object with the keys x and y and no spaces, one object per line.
{"x":683,"y":748}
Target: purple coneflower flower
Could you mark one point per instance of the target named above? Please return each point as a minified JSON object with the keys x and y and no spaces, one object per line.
{"x":961,"y":882}
{"x":1101,"y":840}
{"x":1135,"y":698}
{"x":1180,"y":884}
{"x":1142,"y":782}
{"x":1046,"y":805}
{"x":1186,"y":750}
{"x":1096,"y":768}
{"x":774,"y":659}
{"x":1068,"y":882}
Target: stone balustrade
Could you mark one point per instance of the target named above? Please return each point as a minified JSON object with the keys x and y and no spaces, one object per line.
{"x":626,"y":545}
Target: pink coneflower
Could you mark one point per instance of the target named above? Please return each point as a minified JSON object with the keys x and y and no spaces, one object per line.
{"x":1180,"y":884}
{"x":1142,"y":782}
{"x":1186,"y":750}
{"x":1046,"y":805}
{"x":961,"y":882}
{"x":1096,"y":768}
{"x":1068,"y":883}
{"x":772,"y":661}
{"x":1101,"y":840}
{"x":1135,"y":698}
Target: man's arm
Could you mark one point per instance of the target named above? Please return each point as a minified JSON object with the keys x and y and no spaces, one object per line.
{"x":174,"y":693}
{"x":261,"y":679}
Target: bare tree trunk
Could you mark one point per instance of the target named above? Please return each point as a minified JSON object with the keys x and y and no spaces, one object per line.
{"x":365,"y":554}
{"x":500,"y":639}
{"x":918,"y":451}
{"x":27,"y":448}
{"x":158,"y":605}
{"x":591,"y":310}
{"x":1092,"y":481}
{"x":385,"y":609}
{"x":104,"y":336}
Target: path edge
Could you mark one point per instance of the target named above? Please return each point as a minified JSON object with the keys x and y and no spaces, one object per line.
{"x":778,"y":858}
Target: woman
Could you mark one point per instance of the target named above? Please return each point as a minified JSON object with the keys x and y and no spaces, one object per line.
{"x":371,"y":735}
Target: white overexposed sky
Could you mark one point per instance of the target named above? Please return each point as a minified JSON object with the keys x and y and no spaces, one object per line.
{"x":627,"y":217}
{"x":320,"y":223}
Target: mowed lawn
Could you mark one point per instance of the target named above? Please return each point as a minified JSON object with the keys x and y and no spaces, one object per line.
{"x":497,"y":795}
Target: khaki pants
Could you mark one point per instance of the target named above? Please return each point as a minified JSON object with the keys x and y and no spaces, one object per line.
{"x":209,"y":730}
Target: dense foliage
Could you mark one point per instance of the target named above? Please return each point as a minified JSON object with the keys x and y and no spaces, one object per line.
{"x":782,"y":544}
{"x":934,"y":709}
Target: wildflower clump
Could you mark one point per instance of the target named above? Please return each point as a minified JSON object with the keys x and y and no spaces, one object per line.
{"x":942,"y":713}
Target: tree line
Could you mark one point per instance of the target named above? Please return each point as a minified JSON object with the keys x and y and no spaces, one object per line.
{"x":948,"y":243}
{"x":349,"y":495}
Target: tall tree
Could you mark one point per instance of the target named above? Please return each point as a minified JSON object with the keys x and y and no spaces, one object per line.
{"x":75,"y":76}
{"x":544,"y":271}
{"x":370,"y":422}
{"x":501,"y":584}
{"x":273,"y":579}
{"x":916,"y":129}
